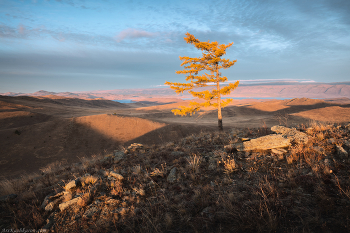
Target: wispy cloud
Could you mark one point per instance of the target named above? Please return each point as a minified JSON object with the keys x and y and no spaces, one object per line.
{"x":131,"y":33}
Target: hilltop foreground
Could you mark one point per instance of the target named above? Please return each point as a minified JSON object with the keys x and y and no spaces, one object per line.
{"x":208,"y":182}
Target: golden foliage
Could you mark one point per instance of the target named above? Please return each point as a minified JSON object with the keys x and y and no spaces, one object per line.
{"x":210,"y":61}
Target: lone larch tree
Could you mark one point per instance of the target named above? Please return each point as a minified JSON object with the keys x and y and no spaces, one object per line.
{"x":210,"y":61}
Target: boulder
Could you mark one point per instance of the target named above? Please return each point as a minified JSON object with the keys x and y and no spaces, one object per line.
{"x":264,"y":143}
{"x":291,"y":134}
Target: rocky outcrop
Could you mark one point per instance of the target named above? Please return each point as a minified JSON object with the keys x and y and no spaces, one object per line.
{"x":273,"y":141}
{"x":292,"y":134}
{"x":264,"y":143}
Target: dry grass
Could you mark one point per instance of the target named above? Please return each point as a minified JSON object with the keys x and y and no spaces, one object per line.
{"x":306,"y":190}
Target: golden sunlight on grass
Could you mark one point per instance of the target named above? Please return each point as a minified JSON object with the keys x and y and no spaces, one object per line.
{"x":327,"y":114}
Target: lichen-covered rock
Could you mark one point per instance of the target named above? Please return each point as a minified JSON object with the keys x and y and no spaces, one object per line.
{"x":264,"y":143}
{"x":172,"y":175}
{"x":291,"y":134}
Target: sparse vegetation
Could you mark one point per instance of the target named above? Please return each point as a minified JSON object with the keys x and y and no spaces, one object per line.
{"x":217,"y":188}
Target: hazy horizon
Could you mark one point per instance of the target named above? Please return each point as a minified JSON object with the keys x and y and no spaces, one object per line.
{"x":74,"y":45}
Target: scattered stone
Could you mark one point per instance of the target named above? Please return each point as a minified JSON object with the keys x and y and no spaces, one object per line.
{"x":212,"y":163}
{"x":279,"y":151}
{"x":230,"y":148}
{"x":65,"y":205}
{"x":72,"y":184}
{"x":49,"y":223}
{"x":116,"y":175}
{"x":289,"y":159}
{"x":341,"y":152}
{"x":53,"y":205}
{"x":264,"y":143}
{"x":244,"y":139}
{"x":331,"y":141}
{"x":347,"y":143}
{"x":118,"y":155}
{"x":135,"y":146}
{"x":106,"y":159}
{"x":172,"y":175}
{"x":177,"y":153}
{"x":291,"y":134}
{"x":104,"y":172}
{"x":319,"y":150}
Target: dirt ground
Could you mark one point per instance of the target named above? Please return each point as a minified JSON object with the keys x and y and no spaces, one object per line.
{"x":37,"y":131}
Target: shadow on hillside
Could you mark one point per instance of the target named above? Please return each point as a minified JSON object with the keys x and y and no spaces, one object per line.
{"x":28,"y":148}
{"x":170,"y":133}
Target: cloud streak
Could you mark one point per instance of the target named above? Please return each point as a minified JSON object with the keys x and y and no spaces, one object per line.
{"x":133,"y":34}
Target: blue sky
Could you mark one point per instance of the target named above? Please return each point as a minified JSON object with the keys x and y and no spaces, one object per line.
{"x":82,"y":45}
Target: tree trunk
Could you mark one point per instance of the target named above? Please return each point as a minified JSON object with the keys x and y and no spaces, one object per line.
{"x":219,"y":100}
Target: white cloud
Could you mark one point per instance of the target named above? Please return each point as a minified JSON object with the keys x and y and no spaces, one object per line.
{"x":131,"y":33}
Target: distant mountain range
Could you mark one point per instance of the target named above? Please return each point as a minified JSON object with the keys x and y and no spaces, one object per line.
{"x":267,"y":90}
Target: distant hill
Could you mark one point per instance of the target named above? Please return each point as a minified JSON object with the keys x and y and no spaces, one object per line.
{"x":266,"y":90}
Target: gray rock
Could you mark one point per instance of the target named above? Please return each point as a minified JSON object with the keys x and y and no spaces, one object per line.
{"x":341,"y":152}
{"x":264,"y":143}
{"x":212,"y":163}
{"x":291,"y":134}
{"x":65,"y":205}
{"x":177,"y":153}
{"x":172,"y":175}
{"x":118,"y":155}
